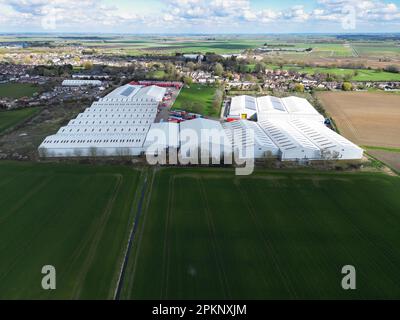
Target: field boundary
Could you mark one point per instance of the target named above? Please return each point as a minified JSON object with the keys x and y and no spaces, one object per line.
{"x":121,"y":278}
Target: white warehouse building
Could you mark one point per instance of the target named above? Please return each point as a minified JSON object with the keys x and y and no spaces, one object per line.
{"x":247,"y":134}
{"x":79,"y":83}
{"x":203,"y":137}
{"x":137,"y":93}
{"x":122,"y":124}
{"x":268,"y":107}
{"x":110,"y":127}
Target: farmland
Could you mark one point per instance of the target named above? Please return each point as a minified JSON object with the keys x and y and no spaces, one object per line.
{"x":207,"y":234}
{"x":362,"y":75}
{"x":9,"y":119}
{"x":17,"y":90}
{"x":75,"y":218}
{"x":197,"y":97}
{"x":366,"y":118}
{"x":275,"y":234}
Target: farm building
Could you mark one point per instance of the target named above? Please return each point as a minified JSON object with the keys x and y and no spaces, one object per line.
{"x":204,"y":137}
{"x":243,"y":134}
{"x":79,"y":83}
{"x":268,"y":107}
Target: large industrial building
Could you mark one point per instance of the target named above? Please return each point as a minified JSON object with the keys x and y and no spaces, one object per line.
{"x":79,"y":83}
{"x":123,"y":123}
{"x":268,"y":107}
{"x":115,"y":125}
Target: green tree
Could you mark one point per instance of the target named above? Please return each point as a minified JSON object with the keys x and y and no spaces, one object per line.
{"x":299,"y":87}
{"x":191,"y":66}
{"x":260,"y":67}
{"x":347,"y":86}
{"x":188,"y":80}
{"x":88,"y":65}
{"x":218,"y":69}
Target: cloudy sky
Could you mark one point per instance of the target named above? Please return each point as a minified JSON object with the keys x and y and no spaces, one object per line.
{"x":199,"y":16}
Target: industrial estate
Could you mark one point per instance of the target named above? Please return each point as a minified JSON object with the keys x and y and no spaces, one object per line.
{"x":123,"y":123}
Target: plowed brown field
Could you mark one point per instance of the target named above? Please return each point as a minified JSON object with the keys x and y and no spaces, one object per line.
{"x":368,"y":119}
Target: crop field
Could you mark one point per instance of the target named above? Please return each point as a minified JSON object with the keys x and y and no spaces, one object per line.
{"x":9,"y":119}
{"x":366,"y":118}
{"x":75,"y":218}
{"x":210,"y":235}
{"x":197,"y":94}
{"x":203,"y":233}
{"x":17,"y":90}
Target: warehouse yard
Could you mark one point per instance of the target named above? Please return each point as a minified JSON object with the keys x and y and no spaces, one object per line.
{"x":76,"y":218}
{"x":210,"y":235}
{"x":367,"y":119}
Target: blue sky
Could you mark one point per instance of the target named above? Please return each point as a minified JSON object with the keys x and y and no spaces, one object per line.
{"x":199,"y":16}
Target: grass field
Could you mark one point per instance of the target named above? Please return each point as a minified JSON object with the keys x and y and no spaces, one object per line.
{"x":362,"y":75}
{"x":210,"y":235}
{"x":76,"y":218}
{"x":197,"y":94}
{"x":17,"y":90}
{"x":8,"y":119}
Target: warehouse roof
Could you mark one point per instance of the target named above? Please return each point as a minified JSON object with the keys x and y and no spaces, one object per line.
{"x":243,"y":105}
{"x":83,"y":129}
{"x":323,"y":137}
{"x":285,"y":136}
{"x":205,"y":126}
{"x":168,"y":131}
{"x":98,"y":140}
{"x":137,"y":92}
{"x":270,"y":107}
{"x":81,"y":83}
{"x":240,"y":130}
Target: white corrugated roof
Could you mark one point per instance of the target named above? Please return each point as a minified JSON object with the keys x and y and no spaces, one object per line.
{"x":239,"y":129}
{"x":285,"y":136}
{"x":139,"y":93}
{"x":106,"y":140}
{"x":81,"y":82}
{"x":323,"y":137}
{"x":170,"y":132}
{"x":271,"y":107}
{"x":83,"y":129}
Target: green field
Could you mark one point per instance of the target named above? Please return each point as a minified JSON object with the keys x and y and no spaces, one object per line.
{"x":9,"y":119}
{"x":76,"y":218}
{"x":210,"y":235}
{"x":17,"y":90}
{"x":197,"y":94}
{"x":362,"y":75}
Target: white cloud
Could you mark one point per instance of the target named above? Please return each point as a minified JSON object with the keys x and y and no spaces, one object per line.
{"x":210,"y":15}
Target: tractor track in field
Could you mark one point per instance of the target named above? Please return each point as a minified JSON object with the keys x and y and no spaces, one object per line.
{"x":166,"y":250}
{"x":266,"y":241}
{"x":97,"y":235}
{"x":216,"y":248}
{"x":120,"y":283}
{"x":130,"y":283}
